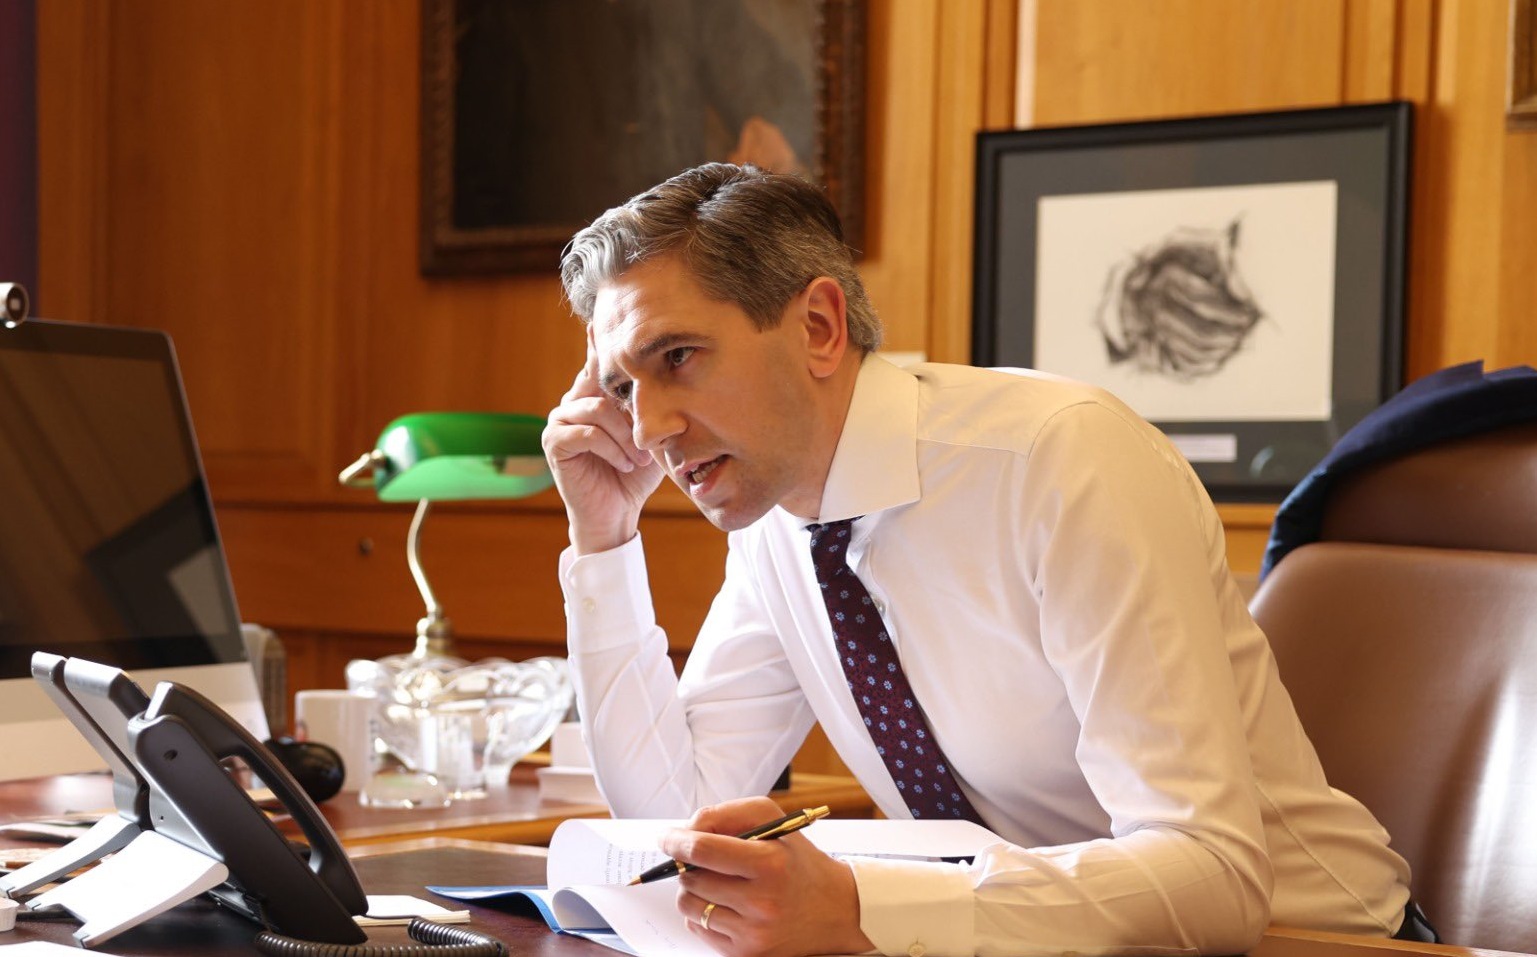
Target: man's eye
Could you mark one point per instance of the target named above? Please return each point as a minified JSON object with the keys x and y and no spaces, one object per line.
{"x":622,"y":394}
{"x":676,"y":357}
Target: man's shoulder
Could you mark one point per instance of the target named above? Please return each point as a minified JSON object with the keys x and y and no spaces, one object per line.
{"x":998,"y":407}
{"x":1045,"y":387}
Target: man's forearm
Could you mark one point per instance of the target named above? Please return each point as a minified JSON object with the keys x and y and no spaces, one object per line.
{"x":626,"y":689}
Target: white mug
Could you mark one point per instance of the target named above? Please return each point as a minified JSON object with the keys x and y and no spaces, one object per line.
{"x":338,"y":718}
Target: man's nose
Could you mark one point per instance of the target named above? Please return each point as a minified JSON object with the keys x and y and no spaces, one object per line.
{"x":654,"y":419}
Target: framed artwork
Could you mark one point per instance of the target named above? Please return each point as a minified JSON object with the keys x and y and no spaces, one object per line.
{"x":1521,"y":100}
{"x":1236,"y":280}
{"x":539,"y":115}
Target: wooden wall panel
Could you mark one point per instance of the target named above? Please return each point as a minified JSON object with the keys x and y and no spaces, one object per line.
{"x":1105,"y":60}
{"x":1459,"y":230}
{"x":973,"y":92}
{"x":72,"y":149}
{"x":220,"y":225}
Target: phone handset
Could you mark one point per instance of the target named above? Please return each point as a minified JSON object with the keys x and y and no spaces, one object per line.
{"x":178,"y":743}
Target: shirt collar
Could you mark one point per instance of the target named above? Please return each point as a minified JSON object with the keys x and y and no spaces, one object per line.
{"x":875,"y":466}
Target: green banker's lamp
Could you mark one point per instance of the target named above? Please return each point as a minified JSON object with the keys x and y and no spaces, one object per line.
{"x":428,"y":457}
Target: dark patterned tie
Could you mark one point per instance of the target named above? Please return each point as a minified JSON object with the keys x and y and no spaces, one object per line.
{"x":880,"y":688}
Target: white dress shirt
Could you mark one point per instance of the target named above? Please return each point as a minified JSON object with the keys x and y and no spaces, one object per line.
{"x":1055,"y":580}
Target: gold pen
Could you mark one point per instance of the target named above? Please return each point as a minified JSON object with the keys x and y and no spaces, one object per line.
{"x":788,"y":824}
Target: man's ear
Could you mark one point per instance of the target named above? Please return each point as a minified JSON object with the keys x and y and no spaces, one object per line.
{"x":826,"y":323}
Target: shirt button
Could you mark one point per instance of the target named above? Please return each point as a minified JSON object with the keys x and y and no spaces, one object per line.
{"x":589,"y":605}
{"x":916,"y":950}
{"x":880,"y":608}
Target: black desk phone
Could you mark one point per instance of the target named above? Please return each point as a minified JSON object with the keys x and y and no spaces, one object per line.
{"x":165,"y":751}
{"x":178,"y":804}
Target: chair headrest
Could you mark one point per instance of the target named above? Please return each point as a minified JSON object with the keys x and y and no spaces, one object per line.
{"x":1477,"y":493}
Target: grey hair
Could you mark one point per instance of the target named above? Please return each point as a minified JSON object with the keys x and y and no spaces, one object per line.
{"x":748,"y":237}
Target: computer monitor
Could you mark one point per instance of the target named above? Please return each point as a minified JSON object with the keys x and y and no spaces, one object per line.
{"x":108,"y":546}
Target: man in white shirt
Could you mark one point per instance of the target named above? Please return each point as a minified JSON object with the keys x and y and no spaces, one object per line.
{"x":1047,"y":568}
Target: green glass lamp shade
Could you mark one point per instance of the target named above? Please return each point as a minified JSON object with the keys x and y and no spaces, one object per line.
{"x":447,"y":456}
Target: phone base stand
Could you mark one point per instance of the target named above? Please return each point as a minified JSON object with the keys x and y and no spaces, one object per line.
{"x":148,"y":877}
{"x":105,"y":836}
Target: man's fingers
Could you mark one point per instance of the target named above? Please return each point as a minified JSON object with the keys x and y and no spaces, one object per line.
{"x":585,"y":385}
{"x":566,"y":442}
{"x":593,"y":408}
{"x":736,"y":816}
{"x":587,"y":382}
{"x":724,"y":855}
{"x":702,"y":912}
{"x":586,"y":427}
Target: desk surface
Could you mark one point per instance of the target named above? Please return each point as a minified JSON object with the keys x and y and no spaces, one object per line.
{"x":200,"y":928}
{"x":514,"y":815}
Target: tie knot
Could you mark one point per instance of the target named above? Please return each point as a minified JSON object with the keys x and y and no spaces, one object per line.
{"x":829,"y":546}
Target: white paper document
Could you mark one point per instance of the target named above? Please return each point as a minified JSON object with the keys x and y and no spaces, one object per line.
{"x":592,"y":861}
{"x":400,"y":909}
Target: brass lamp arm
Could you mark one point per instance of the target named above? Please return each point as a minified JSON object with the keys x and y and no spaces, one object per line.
{"x":354,"y":475}
{"x":413,"y":560}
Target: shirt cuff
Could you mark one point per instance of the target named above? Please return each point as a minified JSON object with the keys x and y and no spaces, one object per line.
{"x":607,"y":595}
{"x":916,"y":908}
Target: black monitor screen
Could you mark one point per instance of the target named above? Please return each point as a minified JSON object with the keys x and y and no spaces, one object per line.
{"x":108,"y":548}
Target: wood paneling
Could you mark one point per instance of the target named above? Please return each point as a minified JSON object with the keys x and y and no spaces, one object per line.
{"x":221,"y":226}
{"x":72,"y":151}
{"x":1105,"y":60}
{"x":966,"y":99}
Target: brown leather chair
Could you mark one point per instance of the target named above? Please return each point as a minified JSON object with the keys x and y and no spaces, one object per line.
{"x":1478,"y":493}
{"x":1411,"y":655}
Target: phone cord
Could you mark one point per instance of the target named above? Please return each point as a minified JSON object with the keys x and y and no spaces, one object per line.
{"x":437,"y":940}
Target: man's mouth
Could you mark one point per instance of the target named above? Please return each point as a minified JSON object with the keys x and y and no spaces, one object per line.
{"x":699,"y":473}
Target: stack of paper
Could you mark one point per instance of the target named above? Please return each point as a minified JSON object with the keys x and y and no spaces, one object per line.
{"x":569,"y":777}
{"x":592,"y":861}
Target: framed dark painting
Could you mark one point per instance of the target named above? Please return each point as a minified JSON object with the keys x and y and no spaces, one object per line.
{"x":1237,"y":280}
{"x":539,"y":115}
{"x":1521,"y":88}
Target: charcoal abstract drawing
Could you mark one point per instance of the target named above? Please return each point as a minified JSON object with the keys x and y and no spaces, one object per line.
{"x":1179,"y":307}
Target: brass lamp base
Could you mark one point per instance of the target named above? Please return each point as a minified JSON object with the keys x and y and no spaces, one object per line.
{"x":434,"y":638}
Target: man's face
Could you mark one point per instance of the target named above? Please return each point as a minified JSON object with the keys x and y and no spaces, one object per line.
{"x":727,"y":410}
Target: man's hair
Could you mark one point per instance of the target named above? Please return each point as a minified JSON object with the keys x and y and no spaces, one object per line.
{"x":747,"y":236}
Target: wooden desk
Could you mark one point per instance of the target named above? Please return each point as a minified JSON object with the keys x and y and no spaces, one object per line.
{"x":200,"y":928}
{"x":514,"y":815}
{"x":517,"y":816}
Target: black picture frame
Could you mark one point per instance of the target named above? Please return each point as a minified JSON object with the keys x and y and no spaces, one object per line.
{"x":1363,"y":151}
{"x":539,"y":115}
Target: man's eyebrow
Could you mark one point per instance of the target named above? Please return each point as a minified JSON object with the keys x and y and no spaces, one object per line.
{"x":608,"y":380}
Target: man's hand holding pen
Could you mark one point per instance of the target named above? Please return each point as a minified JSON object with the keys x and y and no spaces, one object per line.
{"x":766,"y":898}
{"x":772,"y":831}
